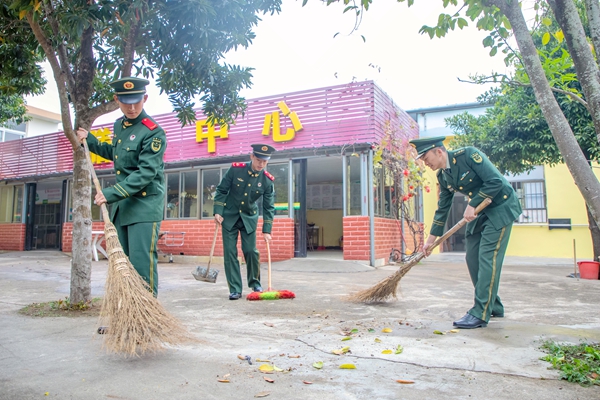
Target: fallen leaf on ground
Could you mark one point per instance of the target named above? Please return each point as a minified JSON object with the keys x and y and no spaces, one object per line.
{"x":268,"y":379}
{"x":241,"y":357}
{"x":439,"y":332}
{"x":347,"y":366}
{"x":277,"y":369}
{"x":341,"y":351}
{"x":404,"y":381}
{"x":346,"y":338}
{"x":377,"y":340}
{"x":223,"y":380}
{"x":294,"y":356}
{"x":354,"y":330}
{"x":269,"y":324}
{"x":318,"y":364}
{"x":387,"y":351}
{"x":371,"y":330}
{"x":399,"y":349}
{"x":386,"y":330}
{"x":226,"y":376}
{"x":266,"y":369}
{"x":454,"y":330}
{"x":259,"y":360}
{"x":262,"y":394}
{"x":307,"y":382}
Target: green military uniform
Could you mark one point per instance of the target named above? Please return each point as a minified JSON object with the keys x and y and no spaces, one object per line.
{"x":471,"y":173}
{"x":137,"y":198}
{"x":235,"y":201}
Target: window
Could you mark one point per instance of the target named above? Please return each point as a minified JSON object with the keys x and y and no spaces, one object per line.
{"x":210,"y":180}
{"x":11,"y":203}
{"x":353,"y":168}
{"x":10,"y":134}
{"x":531,"y":192}
{"x":182,"y":195}
{"x":532,"y":197}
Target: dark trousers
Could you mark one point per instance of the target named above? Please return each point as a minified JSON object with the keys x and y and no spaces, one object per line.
{"x":139,"y":244}
{"x":485,"y":247}
{"x":230,"y":256}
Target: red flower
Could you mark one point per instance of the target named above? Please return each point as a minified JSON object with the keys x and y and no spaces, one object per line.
{"x":427,"y":189}
{"x":405,"y":172}
{"x":405,"y":198}
{"x":411,"y":187}
{"x":411,"y":194}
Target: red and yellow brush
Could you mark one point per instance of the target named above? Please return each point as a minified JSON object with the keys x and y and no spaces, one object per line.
{"x":270,"y":294}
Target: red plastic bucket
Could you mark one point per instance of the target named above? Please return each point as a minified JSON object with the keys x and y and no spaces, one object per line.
{"x":589,"y":269}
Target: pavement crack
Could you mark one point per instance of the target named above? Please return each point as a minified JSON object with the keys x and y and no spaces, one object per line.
{"x":430,"y":366}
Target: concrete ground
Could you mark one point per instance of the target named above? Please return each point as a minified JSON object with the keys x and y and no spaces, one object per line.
{"x":62,"y":357}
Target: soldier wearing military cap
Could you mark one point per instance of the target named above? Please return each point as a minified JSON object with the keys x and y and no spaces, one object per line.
{"x":137,"y":198}
{"x":468,"y":171}
{"x":236,"y":210}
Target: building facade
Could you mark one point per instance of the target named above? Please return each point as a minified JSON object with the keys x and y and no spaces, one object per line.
{"x":554,"y":222}
{"x":329,"y":195}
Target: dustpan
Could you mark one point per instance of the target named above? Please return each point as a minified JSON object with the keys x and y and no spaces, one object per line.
{"x":206,"y":274}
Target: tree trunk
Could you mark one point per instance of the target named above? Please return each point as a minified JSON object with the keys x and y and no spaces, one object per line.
{"x":572,"y":154}
{"x":586,"y":68}
{"x":81,"y":267}
{"x":595,"y":232}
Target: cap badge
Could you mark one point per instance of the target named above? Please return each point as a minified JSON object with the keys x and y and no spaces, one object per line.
{"x":128,"y":85}
{"x":264,"y":148}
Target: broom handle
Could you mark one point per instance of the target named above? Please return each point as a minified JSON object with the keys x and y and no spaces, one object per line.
{"x":95,"y":179}
{"x":459,"y":224}
{"x":269,"y":262}
{"x":212,"y":249}
{"x":450,"y":231}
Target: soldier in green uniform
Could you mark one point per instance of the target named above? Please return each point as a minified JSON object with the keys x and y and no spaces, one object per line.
{"x":236,"y":210}
{"x":137,"y":198}
{"x":469,"y":171}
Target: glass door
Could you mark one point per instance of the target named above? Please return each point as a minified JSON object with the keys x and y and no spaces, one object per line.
{"x":299,"y":196}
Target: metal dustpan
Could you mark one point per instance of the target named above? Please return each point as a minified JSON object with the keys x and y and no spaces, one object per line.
{"x":205,"y":273}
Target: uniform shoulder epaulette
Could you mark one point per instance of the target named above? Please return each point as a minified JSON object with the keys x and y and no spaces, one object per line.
{"x":459,"y":152}
{"x":268,"y":175}
{"x":149,"y":124}
{"x":238,"y":165}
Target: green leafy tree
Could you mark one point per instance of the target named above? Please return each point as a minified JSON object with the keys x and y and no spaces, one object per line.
{"x":516,"y":136}
{"x":12,"y":110}
{"x":88,"y":43}
{"x":503,"y":18}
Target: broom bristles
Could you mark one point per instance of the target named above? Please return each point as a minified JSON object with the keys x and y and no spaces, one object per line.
{"x":383,"y":290}
{"x":136,"y":321}
{"x":271,"y":295}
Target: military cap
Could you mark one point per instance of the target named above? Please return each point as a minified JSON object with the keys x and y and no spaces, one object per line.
{"x":426,"y":144}
{"x":262,"y":151}
{"x":130,"y":90}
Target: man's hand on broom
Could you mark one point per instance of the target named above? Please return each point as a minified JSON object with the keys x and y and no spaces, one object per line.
{"x":82,"y":134}
{"x":427,"y":246}
{"x":99,"y":199}
{"x":218,"y":219}
{"x":267,"y":237}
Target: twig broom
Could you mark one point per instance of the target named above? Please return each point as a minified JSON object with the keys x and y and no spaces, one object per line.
{"x":387,"y":287}
{"x":136,"y":321}
{"x":270,"y":294}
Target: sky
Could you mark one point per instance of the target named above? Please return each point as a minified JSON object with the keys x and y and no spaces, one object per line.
{"x":296,"y":50}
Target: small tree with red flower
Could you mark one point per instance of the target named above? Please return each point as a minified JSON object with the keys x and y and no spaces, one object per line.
{"x":403,"y":179}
